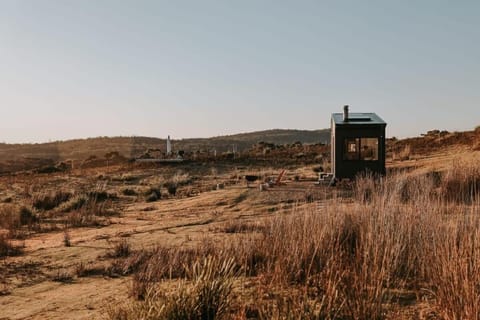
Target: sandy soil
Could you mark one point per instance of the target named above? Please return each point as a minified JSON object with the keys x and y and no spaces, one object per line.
{"x":30,"y":291}
{"x":173,"y":222}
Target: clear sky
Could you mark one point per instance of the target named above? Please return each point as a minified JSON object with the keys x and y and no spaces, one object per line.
{"x":85,"y":68}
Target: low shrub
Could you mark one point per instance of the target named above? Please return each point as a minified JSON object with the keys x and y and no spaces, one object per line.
{"x":129,"y":192}
{"x":75,"y":203}
{"x":7,"y":248}
{"x":171,"y":188}
{"x":120,"y":249}
{"x":62,"y":275}
{"x":82,"y":218}
{"x":15,"y":219}
{"x":90,"y":200}
{"x":100,"y":196}
{"x":86,"y":270}
{"x":8,"y":200}
{"x":181,"y":179}
{"x":27,"y":217}
{"x":86,"y":210}
{"x":153,"y":194}
{"x":66,"y":238}
{"x":50,"y":201}
{"x":47,"y":170}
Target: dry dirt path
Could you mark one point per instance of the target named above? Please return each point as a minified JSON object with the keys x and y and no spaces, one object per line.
{"x":173,"y":222}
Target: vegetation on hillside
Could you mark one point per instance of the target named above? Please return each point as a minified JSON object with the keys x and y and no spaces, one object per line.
{"x":14,"y":157}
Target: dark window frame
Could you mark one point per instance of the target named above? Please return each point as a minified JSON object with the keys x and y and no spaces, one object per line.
{"x":358,"y":146}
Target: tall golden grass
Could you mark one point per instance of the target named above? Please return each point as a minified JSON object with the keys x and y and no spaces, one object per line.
{"x":355,"y":260}
{"x":206,"y":296}
{"x":347,"y":259}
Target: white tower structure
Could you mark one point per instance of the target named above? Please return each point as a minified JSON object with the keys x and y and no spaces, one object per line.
{"x":169,"y":146}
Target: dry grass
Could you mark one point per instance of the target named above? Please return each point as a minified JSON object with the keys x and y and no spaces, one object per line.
{"x":153,"y":266}
{"x":129,"y":192}
{"x":62,"y":275}
{"x":206,"y":296}
{"x":454,"y":268}
{"x":238,"y":226}
{"x":411,"y":236}
{"x":90,"y":209}
{"x":153,"y":194}
{"x":7,"y":248}
{"x":49,"y":201}
{"x":349,"y":260}
{"x":120,"y":249}
{"x":17,"y":220}
{"x":66,"y":238}
{"x":461,"y":182}
{"x":403,"y":154}
{"x":90,"y":269}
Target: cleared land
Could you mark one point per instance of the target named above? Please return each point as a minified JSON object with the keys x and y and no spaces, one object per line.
{"x":123,"y":240}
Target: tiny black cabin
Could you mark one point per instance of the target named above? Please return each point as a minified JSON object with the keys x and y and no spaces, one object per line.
{"x":358,"y":144}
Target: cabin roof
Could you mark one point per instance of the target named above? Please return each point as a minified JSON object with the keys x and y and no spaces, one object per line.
{"x":357,"y":118}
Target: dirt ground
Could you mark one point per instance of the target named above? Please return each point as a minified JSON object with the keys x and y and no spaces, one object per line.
{"x":31,"y":286}
{"x":31,"y":289}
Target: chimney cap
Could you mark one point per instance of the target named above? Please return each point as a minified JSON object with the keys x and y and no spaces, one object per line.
{"x":345,"y":113}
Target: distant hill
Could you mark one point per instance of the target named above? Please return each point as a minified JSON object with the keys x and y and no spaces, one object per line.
{"x":246,"y":140}
{"x":80,"y":149}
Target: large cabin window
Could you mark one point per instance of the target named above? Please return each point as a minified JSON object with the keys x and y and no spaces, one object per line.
{"x":361,"y":149}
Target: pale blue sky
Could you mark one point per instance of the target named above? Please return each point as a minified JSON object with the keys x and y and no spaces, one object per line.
{"x":75,"y":69}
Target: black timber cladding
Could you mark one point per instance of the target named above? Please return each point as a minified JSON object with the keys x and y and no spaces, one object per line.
{"x":359,"y":128}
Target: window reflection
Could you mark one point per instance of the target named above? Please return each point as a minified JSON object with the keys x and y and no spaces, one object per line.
{"x":361,"y":149}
